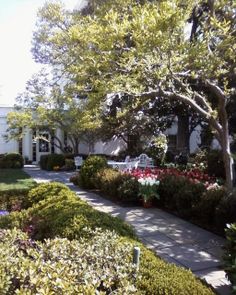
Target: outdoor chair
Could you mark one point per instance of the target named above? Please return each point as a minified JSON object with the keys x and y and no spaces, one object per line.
{"x":78,"y":162}
{"x":145,"y":162}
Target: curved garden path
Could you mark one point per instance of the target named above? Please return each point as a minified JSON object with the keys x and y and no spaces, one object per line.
{"x":175,"y":240}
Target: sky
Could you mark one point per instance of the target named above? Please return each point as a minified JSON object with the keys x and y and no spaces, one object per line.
{"x":17,"y":22}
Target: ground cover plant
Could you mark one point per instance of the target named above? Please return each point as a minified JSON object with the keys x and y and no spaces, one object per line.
{"x":78,"y":257}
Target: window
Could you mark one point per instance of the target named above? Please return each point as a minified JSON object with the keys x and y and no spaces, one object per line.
{"x":44,"y":142}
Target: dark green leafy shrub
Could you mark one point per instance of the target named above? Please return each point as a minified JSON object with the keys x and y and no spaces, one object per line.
{"x":230,"y":255}
{"x":128,"y":189}
{"x":11,"y":160}
{"x":43,"y":162}
{"x":215,"y":164}
{"x":89,"y":169}
{"x":226,"y":211}
{"x":187,"y":197}
{"x":108,"y":181}
{"x":210,"y":199}
{"x":45,"y":190}
{"x":61,"y":266}
{"x":69,"y":164}
{"x":55,"y":160}
{"x":169,"y":185}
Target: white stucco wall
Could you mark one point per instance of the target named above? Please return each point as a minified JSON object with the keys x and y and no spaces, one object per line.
{"x":6,"y":147}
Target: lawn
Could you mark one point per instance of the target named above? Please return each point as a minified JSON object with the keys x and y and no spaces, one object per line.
{"x":15,"y":179}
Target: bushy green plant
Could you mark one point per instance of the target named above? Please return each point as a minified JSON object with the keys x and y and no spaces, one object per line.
{"x":62,"y":215}
{"x":11,"y":160}
{"x":230,"y":255}
{"x":45,"y":190}
{"x":61,"y":266}
{"x":55,"y":160}
{"x":226,"y":211}
{"x":43,"y":162}
{"x":210,"y":199}
{"x":215,"y":164}
{"x":169,"y":185}
{"x":108,"y":181}
{"x":89,"y":169}
{"x":69,"y":164}
{"x":129,"y":189}
{"x":157,"y":148}
{"x":187,"y":197}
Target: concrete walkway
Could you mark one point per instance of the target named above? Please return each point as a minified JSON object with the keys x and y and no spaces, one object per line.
{"x":172,"y":238}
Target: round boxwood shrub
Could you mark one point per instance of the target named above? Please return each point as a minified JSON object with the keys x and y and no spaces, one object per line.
{"x":89,"y":169}
{"x":215,"y":164}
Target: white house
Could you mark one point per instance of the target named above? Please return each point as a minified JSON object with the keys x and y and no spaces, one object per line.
{"x":32,"y":147}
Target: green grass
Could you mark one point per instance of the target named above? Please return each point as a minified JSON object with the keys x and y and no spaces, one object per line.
{"x":15,"y":179}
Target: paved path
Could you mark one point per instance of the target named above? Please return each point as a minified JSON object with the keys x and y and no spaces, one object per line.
{"x":172,"y":238}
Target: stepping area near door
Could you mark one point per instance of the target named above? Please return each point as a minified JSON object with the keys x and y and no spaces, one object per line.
{"x":172,"y":238}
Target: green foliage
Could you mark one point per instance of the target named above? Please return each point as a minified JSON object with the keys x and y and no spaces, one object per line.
{"x":108,"y":181}
{"x":117,"y":185}
{"x":89,"y":169}
{"x":210,"y":200}
{"x":128,"y":190}
{"x":158,"y":277}
{"x":62,"y":214}
{"x":187,"y":197}
{"x":215,"y":165}
{"x":48,"y":162}
{"x":69,"y":164}
{"x":12,"y":161}
{"x":226,"y":211}
{"x":61,"y":266}
{"x":230,"y":255}
{"x":157,"y":149}
{"x":44,"y":191}
{"x":168,"y":187}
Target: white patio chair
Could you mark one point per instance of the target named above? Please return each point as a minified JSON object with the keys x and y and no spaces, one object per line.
{"x":145,"y":161}
{"x":78,"y":162}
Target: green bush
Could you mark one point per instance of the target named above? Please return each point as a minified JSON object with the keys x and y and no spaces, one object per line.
{"x":169,"y":185}
{"x":187,"y":197}
{"x":48,"y":162}
{"x":230,"y":255}
{"x":11,"y":160}
{"x":43,"y":162}
{"x":62,"y":215}
{"x":75,"y":179}
{"x":215,"y":164}
{"x":13,"y":199}
{"x":128,"y":189}
{"x":206,"y":208}
{"x":69,"y":164}
{"x":89,"y":169}
{"x":45,"y":190}
{"x":226,"y":211}
{"x":61,"y":266}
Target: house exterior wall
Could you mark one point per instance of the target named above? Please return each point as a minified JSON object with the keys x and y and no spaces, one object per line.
{"x":113,"y":147}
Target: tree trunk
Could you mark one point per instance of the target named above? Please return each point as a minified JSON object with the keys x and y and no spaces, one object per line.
{"x":227,"y":158}
{"x":183,"y":133}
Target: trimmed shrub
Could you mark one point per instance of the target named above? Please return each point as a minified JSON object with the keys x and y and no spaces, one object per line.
{"x":169,"y":185}
{"x":129,"y":189}
{"x":187,"y":197}
{"x":63,"y":215}
{"x":226,"y":211}
{"x":44,"y":191}
{"x":230,"y":255}
{"x":108,"y":181}
{"x":48,"y":162}
{"x":11,"y":160}
{"x":206,"y":208}
{"x":61,"y":266}
{"x":215,"y":164}
{"x":89,"y":169}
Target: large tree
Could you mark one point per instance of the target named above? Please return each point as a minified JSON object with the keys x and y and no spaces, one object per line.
{"x":141,"y":49}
